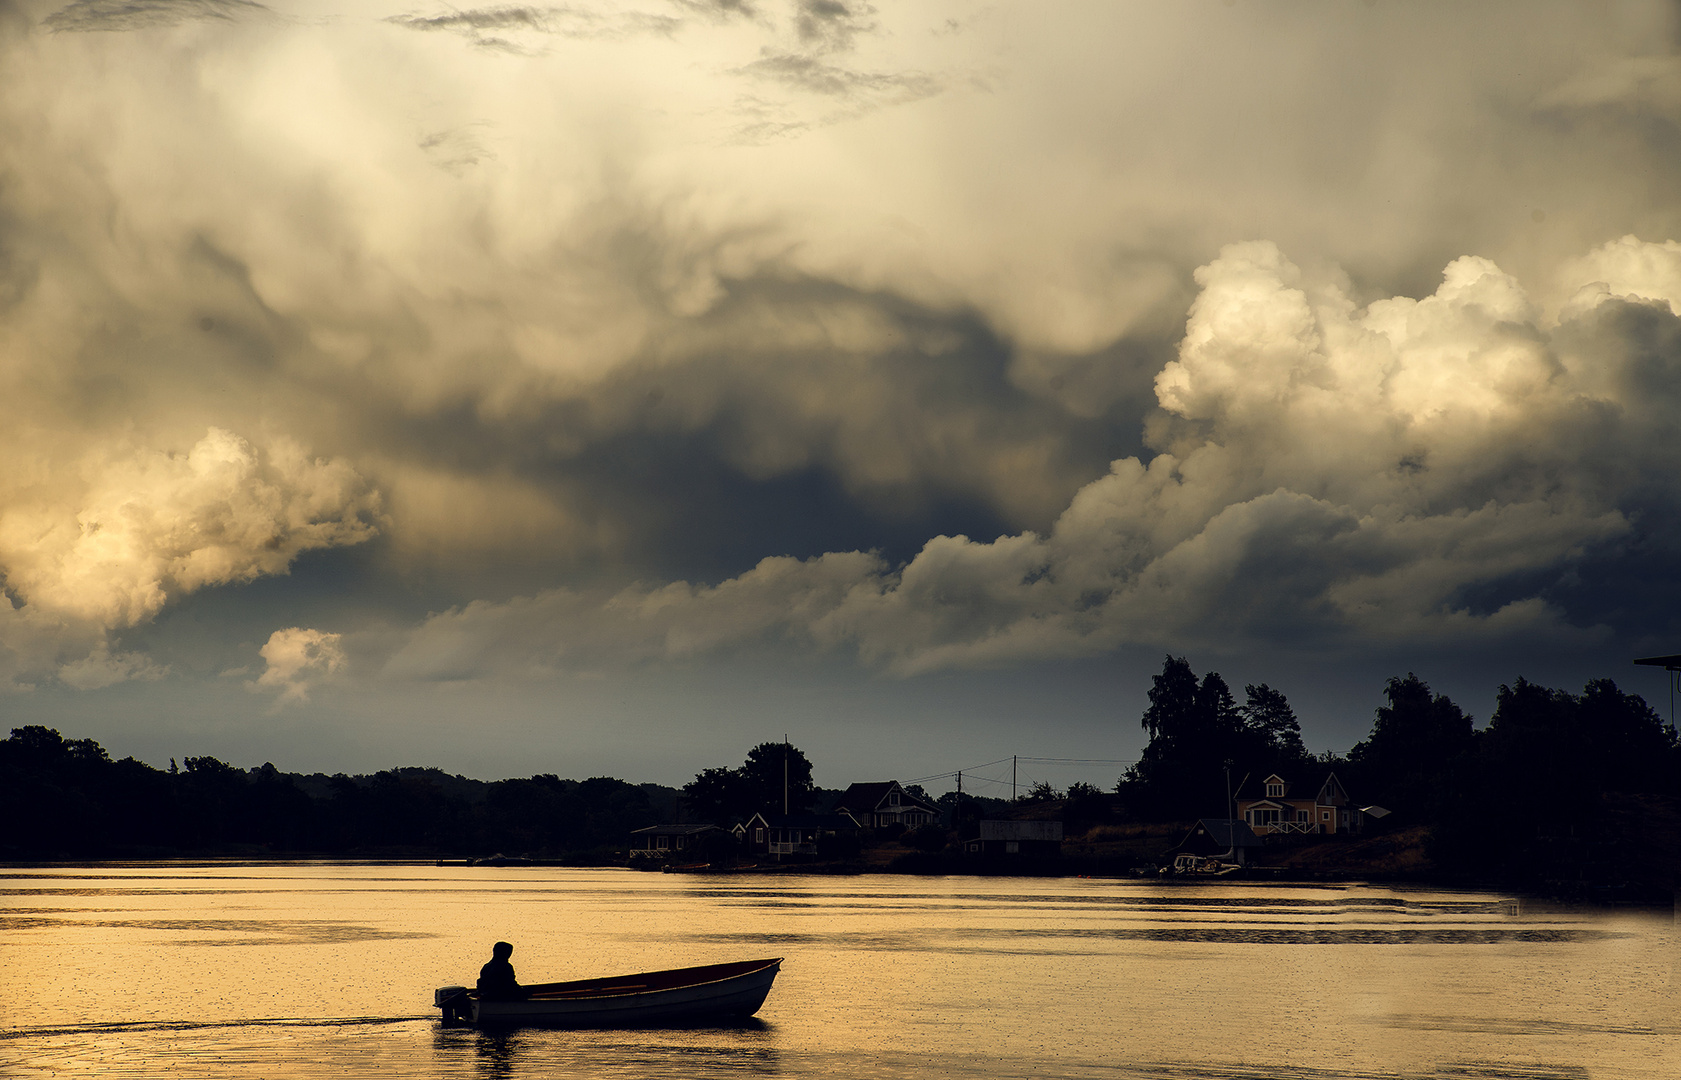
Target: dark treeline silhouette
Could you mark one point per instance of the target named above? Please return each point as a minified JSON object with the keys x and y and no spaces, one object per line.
{"x":1570,"y":793}
{"x":773,"y":776}
{"x":68,"y":799}
{"x":1198,"y":731}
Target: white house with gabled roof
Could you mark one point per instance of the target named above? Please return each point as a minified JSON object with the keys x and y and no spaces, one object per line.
{"x":885,"y":802}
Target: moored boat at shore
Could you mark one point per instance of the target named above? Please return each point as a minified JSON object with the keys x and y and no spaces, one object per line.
{"x":682,"y":996}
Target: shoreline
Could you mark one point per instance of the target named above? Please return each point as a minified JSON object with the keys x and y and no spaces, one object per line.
{"x":1609,"y":895}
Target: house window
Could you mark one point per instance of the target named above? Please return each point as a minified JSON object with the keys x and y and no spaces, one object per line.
{"x":1275,"y":791}
{"x":758,"y":836}
{"x":662,"y":842}
{"x":1301,"y":815}
{"x":893,"y":798}
{"x":1324,"y":815}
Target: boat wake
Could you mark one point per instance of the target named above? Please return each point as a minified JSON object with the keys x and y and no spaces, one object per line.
{"x":193,"y":1025}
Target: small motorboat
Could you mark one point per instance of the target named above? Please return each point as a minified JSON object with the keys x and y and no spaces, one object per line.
{"x":676,"y":998}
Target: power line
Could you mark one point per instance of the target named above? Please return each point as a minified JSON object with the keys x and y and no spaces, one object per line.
{"x":1057,"y":760}
{"x":971,"y":772}
{"x":954,"y":772}
{"x":988,"y":780}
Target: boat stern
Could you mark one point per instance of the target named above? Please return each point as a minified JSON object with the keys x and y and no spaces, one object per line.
{"x":453,"y":1000}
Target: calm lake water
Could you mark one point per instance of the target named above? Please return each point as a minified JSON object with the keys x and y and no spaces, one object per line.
{"x":327,"y":969}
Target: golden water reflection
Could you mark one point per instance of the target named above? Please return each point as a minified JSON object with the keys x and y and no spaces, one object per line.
{"x":315,"y":969}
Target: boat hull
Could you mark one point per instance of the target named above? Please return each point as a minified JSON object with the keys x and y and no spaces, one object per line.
{"x":682,"y":997}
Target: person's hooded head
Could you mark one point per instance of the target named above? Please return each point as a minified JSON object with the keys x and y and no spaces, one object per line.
{"x":501,"y":950}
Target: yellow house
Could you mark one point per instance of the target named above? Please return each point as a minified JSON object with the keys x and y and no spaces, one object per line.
{"x":1275,"y":805}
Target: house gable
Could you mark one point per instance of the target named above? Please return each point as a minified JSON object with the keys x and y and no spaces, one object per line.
{"x":1332,"y":793}
{"x":884,"y":802}
{"x":1281,"y":811}
{"x":873,"y":796}
{"x":1218,"y":837}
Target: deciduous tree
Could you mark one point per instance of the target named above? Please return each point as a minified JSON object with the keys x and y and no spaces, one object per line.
{"x":1414,"y":740}
{"x":723,"y":796}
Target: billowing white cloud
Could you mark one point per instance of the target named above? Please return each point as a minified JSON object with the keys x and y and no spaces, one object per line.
{"x":1330,"y":473}
{"x":422,"y":231}
{"x":296,"y":658}
{"x":103,"y":544}
{"x":111,"y":543}
{"x":1628,"y":268}
{"x":569,"y":284}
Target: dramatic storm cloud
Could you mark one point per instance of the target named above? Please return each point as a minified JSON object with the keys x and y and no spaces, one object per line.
{"x":103,"y":545}
{"x":349,"y":348}
{"x":1325,"y":471}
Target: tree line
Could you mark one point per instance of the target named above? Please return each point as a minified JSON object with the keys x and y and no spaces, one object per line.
{"x":775,"y":778}
{"x":1561,"y":789}
{"x":66,"y":798}
{"x":72,"y":800}
{"x":1558,"y":787}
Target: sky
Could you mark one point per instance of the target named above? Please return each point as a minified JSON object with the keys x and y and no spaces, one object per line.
{"x":609,"y":387}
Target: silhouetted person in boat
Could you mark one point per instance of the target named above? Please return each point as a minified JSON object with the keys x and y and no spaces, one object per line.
{"x":496,"y":979}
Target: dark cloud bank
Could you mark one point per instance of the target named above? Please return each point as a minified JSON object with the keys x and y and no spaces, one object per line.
{"x":397,"y":369}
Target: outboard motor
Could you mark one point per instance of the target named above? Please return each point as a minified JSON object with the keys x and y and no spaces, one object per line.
{"x":453,"y":1001}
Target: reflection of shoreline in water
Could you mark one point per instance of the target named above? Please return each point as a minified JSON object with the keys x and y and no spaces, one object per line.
{"x":732,"y":1049}
{"x":895,"y":979}
{"x":1221,"y":935}
{"x":258,"y":931}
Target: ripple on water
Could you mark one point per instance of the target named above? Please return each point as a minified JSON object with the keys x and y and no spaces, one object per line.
{"x":890,"y":978}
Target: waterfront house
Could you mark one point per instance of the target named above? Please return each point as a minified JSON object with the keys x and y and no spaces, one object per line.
{"x":659,"y":841}
{"x":1275,"y":806}
{"x":884,"y":802}
{"x":1222,"y":838}
{"x":795,"y":836}
{"x":1016,"y":838}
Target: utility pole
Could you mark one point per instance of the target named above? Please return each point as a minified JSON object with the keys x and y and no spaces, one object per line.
{"x":1671,"y":664}
{"x":784,"y":774}
{"x":1012,"y":778}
